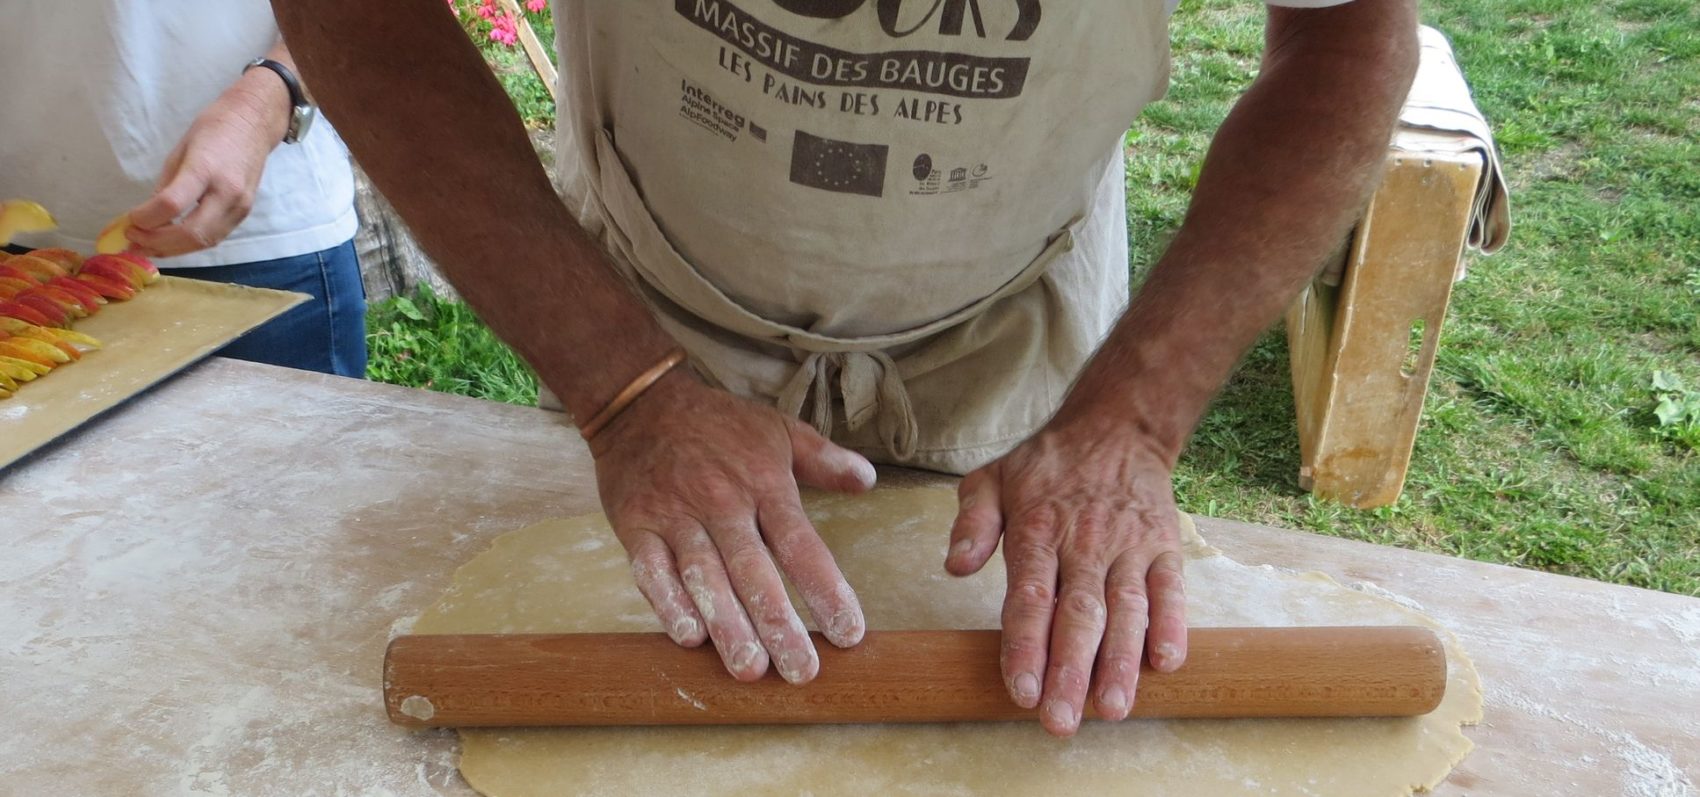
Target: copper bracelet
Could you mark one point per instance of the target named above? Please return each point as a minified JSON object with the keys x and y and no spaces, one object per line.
{"x":630,"y":393}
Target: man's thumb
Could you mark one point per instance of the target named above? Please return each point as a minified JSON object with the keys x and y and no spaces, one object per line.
{"x":818,"y":462}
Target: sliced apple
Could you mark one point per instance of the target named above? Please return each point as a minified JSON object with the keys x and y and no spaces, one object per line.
{"x":42,"y":270}
{"x":87,"y":342}
{"x":49,"y":309}
{"x":14,"y":273}
{"x":41,"y":334}
{"x":10,"y":288}
{"x":32,"y":351}
{"x":22,"y":370}
{"x":72,"y":306}
{"x":52,"y":340}
{"x":12,"y":326}
{"x":115,"y":268}
{"x":148,"y":268}
{"x":66,"y":258}
{"x":112,"y":238}
{"x":8,"y":385}
{"x":53,"y":353}
{"x":23,"y":312}
{"x":22,"y":215}
{"x":117,"y":290}
{"x":81,"y":290}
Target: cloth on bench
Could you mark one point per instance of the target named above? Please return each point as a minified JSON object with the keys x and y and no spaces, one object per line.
{"x":1441,"y":117}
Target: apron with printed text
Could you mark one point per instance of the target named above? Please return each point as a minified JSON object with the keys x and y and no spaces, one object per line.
{"x":902,"y":220}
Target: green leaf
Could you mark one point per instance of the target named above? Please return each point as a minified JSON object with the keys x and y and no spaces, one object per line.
{"x":407,"y":308}
{"x":1667,"y":380}
{"x":1669,"y":412}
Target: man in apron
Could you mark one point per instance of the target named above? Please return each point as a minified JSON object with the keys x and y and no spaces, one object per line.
{"x":886,"y":230}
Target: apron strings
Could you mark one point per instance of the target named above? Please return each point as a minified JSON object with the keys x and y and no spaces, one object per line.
{"x":869,"y":386}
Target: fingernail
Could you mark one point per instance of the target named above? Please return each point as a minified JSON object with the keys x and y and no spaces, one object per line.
{"x":1114,"y":700}
{"x":1166,"y":655}
{"x":683,"y":629}
{"x":1061,"y":713}
{"x":1026,"y":689}
{"x":791,"y":665}
{"x":858,"y":466}
{"x":961,"y":548}
{"x":865,"y":473}
{"x":744,"y":656}
{"x":845,"y":628}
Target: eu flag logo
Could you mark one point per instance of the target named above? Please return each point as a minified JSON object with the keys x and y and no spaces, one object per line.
{"x":841,"y":166}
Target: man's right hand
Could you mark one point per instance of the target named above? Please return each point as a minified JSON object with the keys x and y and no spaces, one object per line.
{"x":702,"y":489}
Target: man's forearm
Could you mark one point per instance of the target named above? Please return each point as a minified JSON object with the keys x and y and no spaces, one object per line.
{"x":422,"y":114}
{"x":1285,"y":179}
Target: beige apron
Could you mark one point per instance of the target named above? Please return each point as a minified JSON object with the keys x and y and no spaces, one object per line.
{"x":902,"y":220}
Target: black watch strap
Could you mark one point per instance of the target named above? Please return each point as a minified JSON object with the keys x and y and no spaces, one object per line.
{"x":301,"y":109}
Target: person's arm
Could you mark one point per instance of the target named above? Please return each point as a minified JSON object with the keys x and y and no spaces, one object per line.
{"x":431,"y":127}
{"x":700,"y":486}
{"x":207,"y":184}
{"x":1086,"y":508}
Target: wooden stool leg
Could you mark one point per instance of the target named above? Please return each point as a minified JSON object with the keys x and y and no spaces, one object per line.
{"x":1362,"y":351}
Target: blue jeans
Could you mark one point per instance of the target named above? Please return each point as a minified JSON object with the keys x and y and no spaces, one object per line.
{"x":327,"y":334}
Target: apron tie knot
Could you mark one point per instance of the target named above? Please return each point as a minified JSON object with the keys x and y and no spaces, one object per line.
{"x":869,"y":387}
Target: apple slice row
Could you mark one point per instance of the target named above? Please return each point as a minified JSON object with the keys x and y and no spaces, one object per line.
{"x":42,"y":292}
{"x":55,"y":287}
{"x":29,"y":350}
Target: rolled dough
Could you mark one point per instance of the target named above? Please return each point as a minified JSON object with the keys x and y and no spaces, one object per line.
{"x":571,"y":576}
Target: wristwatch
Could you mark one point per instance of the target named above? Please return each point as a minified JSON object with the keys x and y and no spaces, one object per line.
{"x":301,"y":110}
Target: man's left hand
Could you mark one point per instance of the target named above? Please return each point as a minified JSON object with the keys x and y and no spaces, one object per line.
{"x":1091,"y":542}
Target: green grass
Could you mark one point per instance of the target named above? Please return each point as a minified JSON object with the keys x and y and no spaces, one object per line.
{"x":531,"y":98}
{"x":1542,"y":443}
{"x":430,"y":342}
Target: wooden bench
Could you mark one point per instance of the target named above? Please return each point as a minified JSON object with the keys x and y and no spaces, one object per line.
{"x":1362,"y":350}
{"x":1363,"y":336}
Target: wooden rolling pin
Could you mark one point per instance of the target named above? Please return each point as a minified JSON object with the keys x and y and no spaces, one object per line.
{"x":892,"y":676}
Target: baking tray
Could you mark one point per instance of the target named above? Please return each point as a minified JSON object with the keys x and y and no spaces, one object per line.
{"x":169,"y":326}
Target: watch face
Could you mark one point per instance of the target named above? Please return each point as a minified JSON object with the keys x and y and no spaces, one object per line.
{"x":299,"y":123}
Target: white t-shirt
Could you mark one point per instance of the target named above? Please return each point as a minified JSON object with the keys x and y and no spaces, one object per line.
{"x":100,"y":91}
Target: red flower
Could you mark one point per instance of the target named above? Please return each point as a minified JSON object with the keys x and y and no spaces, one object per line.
{"x":536,"y":6}
{"x":504,"y":30}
